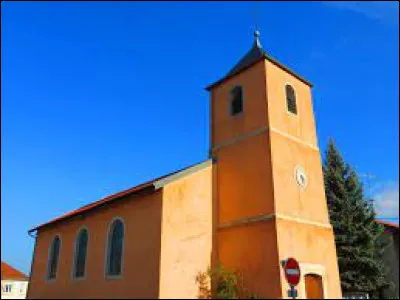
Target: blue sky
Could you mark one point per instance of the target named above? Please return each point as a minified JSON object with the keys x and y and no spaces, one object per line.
{"x":100,"y":96}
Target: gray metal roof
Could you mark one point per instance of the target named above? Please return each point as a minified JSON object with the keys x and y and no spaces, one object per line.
{"x":255,"y":54}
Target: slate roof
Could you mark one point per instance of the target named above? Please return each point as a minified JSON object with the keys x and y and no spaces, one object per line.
{"x":254,"y":55}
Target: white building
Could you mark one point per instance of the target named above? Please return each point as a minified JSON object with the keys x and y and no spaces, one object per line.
{"x":14,"y":284}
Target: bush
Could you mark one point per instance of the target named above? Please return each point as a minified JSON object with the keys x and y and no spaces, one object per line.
{"x":223,"y":283}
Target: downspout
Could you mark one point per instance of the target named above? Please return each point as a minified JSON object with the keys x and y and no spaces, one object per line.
{"x":30,"y":233}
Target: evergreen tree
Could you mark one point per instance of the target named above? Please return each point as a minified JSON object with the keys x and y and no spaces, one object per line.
{"x":356,"y":233}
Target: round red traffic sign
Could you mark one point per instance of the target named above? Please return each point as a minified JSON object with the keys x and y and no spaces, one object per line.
{"x":292,"y":271}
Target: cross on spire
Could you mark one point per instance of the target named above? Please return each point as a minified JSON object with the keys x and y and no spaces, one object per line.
{"x":257,"y":42}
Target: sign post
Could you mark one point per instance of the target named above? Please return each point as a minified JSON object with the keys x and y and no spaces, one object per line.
{"x":292,"y":274}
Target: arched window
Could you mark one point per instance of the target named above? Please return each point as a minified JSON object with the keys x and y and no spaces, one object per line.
{"x":236,"y":100}
{"x":81,"y":245}
{"x":291,"y":99}
{"x":115,"y":248}
{"x":54,"y":254}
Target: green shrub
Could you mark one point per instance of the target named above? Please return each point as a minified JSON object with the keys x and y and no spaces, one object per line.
{"x":223,"y":283}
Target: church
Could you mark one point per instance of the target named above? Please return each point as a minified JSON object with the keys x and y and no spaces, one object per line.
{"x":257,"y":200}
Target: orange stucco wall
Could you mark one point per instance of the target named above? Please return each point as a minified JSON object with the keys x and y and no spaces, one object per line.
{"x":293,"y":143}
{"x":244,"y":183}
{"x":252,"y":250}
{"x":225,"y":127}
{"x":310,"y":245}
{"x":306,"y":234}
{"x":142,"y":219}
{"x":244,"y":178}
{"x":306,"y":203}
{"x":168,"y":241}
{"x":301,"y":125}
{"x":186,"y":240}
{"x":257,"y":153}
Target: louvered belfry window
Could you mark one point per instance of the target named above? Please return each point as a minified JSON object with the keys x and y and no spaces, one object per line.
{"x":236,"y":100}
{"x":291,"y":99}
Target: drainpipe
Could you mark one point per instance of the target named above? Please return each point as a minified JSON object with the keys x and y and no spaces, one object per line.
{"x":31,"y":234}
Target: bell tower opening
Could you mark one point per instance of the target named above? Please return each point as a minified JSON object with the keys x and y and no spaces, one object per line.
{"x":236,"y":102}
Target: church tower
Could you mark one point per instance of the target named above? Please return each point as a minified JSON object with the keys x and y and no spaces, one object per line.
{"x":268,"y":182}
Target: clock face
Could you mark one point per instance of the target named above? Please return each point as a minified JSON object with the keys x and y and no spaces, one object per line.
{"x":301,"y":177}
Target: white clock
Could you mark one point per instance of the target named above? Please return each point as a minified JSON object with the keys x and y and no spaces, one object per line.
{"x":301,"y":177}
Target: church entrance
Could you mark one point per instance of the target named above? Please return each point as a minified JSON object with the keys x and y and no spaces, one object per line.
{"x":314,"y":287}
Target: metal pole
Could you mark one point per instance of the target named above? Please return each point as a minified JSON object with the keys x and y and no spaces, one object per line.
{"x":292,"y":292}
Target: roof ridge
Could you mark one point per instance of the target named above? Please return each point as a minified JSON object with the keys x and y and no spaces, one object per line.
{"x":112,"y":197}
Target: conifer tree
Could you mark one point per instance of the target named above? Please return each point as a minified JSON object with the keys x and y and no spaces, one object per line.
{"x":352,"y":217}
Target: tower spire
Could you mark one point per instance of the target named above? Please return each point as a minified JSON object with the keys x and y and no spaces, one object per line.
{"x":257,"y":42}
{"x":256,"y":31}
{"x":255,"y":53}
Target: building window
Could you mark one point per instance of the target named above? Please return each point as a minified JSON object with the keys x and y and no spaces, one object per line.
{"x":115,"y":248}
{"x":80,"y":253}
{"x":236,"y":100}
{"x":7,"y":288}
{"x":291,"y":99}
{"x":54,"y":254}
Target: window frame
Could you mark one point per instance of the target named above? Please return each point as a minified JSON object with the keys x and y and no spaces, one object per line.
{"x":8,"y":285}
{"x":75,"y":257}
{"x":108,"y":248}
{"x":50,"y":251}
{"x":296,"y":114}
{"x":230,"y":101}
{"x":21,"y":287}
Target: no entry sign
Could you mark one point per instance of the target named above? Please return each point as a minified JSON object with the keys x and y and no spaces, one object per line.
{"x":292,"y":271}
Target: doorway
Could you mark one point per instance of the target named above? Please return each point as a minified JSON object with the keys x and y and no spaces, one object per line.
{"x":314,"y":286}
